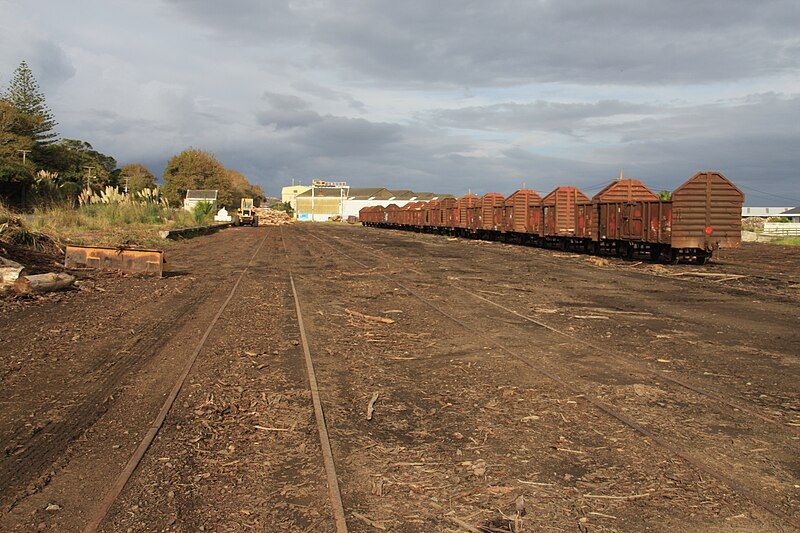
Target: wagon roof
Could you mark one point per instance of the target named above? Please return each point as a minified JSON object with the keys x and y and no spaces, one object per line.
{"x":713,"y":175}
{"x":550,"y":198}
{"x":523,"y":192}
{"x":622,"y":190}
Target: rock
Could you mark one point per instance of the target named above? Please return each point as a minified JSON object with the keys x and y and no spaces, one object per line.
{"x":479,"y":468}
{"x":52,"y":507}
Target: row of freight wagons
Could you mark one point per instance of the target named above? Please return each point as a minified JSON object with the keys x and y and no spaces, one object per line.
{"x":624,"y":218}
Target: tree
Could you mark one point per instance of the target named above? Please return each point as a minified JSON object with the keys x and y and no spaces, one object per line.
{"x":23,"y":93}
{"x":137,"y":177}
{"x":242,"y":188}
{"x":15,"y":178}
{"x":664,"y":195}
{"x":196,"y":169}
{"x":13,"y":124}
{"x":77,"y":161}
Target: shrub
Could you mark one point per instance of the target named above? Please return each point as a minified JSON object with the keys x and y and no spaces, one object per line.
{"x":203,"y":213}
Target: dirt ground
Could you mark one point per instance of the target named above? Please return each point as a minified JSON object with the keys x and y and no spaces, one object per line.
{"x":591,"y":394}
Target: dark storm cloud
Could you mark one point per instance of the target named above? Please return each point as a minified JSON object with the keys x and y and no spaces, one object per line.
{"x":505,"y":42}
{"x":48,"y":60}
{"x":377,"y":92}
{"x":286,"y":111}
{"x":755,"y":141}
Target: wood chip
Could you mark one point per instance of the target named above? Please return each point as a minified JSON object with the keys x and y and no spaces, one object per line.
{"x":380,"y":319}
{"x":373,"y":523}
{"x":608,"y":497}
{"x":371,"y":406}
{"x":464,"y":525}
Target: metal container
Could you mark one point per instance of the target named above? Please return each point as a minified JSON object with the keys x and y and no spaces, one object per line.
{"x":463,"y":205}
{"x":517,"y":208}
{"x":491,"y":212}
{"x":707,"y":213}
{"x":619,"y":211}
{"x":559,"y":210}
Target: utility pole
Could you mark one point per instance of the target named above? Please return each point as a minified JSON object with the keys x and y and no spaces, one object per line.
{"x":24,"y":154}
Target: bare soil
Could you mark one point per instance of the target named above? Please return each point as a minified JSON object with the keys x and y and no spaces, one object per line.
{"x":488,"y":382}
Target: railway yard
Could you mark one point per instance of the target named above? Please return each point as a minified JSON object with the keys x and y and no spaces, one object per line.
{"x":466,"y":386}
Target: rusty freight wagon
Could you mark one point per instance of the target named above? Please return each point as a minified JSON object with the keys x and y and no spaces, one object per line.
{"x":518,"y":211}
{"x":703,"y":215}
{"x":432,"y":213}
{"x":624,"y":218}
{"x":491,"y":212}
{"x":449,"y":213}
{"x":463,"y":206}
{"x":560,"y":211}
{"x":619,"y":215}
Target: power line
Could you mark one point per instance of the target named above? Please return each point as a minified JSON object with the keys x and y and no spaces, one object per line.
{"x":795,"y":200}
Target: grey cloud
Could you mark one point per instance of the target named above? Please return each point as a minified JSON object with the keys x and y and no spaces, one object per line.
{"x":453,"y":42}
{"x":285,"y":101}
{"x":286,"y":111}
{"x":540,"y":115}
{"x":326,"y":93}
{"x":47,"y":59}
{"x":283,"y":119}
{"x":339,"y":136}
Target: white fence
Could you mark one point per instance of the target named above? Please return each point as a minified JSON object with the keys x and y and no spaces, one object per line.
{"x":781,"y":228}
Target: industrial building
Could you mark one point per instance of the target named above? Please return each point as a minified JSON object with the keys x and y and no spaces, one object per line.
{"x":290,"y":192}
{"x":336,"y":200}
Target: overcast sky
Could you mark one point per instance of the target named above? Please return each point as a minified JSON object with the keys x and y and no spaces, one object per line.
{"x":439,"y":95}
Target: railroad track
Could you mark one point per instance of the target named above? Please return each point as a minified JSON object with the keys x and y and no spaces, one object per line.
{"x":734,"y":403}
{"x":726,"y":478}
{"x":332,"y":477}
{"x":99,"y":514}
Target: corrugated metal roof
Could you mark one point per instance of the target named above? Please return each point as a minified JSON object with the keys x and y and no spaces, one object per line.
{"x":404,"y":194}
{"x":201,"y":194}
{"x":322,"y":192}
{"x":368,"y":193}
{"x":793,"y":211}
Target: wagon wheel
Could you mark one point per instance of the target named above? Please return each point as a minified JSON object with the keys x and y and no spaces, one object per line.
{"x":673,"y":257}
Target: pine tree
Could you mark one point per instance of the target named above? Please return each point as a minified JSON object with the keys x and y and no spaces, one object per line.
{"x":24,"y":94}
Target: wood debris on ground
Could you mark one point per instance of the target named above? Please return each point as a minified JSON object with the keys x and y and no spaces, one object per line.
{"x":272,"y":217}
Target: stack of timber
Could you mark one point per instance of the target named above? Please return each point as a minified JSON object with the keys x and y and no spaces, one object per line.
{"x":271,"y":217}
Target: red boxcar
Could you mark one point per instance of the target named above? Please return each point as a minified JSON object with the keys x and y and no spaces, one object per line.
{"x":517,"y":210}
{"x":491,"y":211}
{"x":619,"y":211}
{"x":707,"y":213}
{"x":463,"y":206}
{"x":392,"y":214}
{"x":449,"y":213}
{"x":560,"y":210}
{"x":432,"y":213}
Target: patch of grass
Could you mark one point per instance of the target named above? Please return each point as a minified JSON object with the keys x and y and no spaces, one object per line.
{"x":787,"y":241}
{"x":112,"y":224}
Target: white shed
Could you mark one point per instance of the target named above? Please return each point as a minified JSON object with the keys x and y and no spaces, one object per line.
{"x":195,"y":196}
